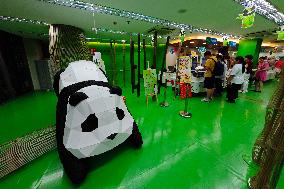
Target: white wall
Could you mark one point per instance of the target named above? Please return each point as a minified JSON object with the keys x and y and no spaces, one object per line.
{"x":171,"y":58}
{"x":33,"y":52}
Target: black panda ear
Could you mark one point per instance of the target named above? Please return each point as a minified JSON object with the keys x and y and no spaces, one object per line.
{"x":76,"y":98}
{"x":56,"y":79}
{"x":116,"y":90}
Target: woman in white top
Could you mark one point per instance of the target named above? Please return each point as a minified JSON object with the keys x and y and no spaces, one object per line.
{"x":235,"y":80}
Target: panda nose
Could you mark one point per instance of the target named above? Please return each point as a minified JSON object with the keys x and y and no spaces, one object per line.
{"x":112,"y":136}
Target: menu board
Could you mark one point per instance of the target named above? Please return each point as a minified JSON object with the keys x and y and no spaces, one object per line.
{"x":150,"y":81}
{"x":184,"y":71}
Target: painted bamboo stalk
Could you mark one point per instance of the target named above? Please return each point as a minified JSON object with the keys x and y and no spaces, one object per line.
{"x":132,"y":64}
{"x":114,"y":65}
{"x":139,"y":74}
{"x":145,"y":55}
{"x":123,"y":63}
{"x":155,"y":50}
{"x":163,"y":64}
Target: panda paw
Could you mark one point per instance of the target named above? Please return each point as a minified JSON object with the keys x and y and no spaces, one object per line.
{"x":136,"y":136}
{"x":75,"y":169}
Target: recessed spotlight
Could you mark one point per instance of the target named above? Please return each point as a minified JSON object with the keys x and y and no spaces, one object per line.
{"x":204,"y":43}
{"x":182,"y":10}
{"x":191,"y":42}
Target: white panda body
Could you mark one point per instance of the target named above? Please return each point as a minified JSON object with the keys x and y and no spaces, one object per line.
{"x":80,"y":71}
{"x":100,"y":121}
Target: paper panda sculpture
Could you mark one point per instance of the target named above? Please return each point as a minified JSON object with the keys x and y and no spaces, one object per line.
{"x":91,"y":117}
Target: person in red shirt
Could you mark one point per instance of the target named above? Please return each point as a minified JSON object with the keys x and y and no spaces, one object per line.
{"x":278,"y":66}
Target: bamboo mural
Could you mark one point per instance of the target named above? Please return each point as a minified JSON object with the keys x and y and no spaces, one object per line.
{"x":268,"y":151}
{"x":66,"y":44}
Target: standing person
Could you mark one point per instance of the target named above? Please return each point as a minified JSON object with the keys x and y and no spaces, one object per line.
{"x":235,"y":80}
{"x":209,"y":79}
{"x":261,"y":74}
{"x":278,"y":66}
{"x":248,"y":73}
{"x":219,"y":75}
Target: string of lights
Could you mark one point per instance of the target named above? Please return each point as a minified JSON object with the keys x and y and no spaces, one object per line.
{"x":131,"y":15}
{"x":22,"y":20}
{"x":102,"y":30}
{"x":266,"y":9}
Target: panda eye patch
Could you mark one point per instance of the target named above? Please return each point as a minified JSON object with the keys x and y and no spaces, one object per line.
{"x":76,"y":98}
{"x":116,"y":90}
{"x":120,"y":113}
{"x":90,"y":124}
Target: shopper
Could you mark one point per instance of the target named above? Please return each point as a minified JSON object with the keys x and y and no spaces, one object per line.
{"x":235,"y":80}
{"x":226,"y":68}
{"x":209,"y":79}
{"x":218,"y":74}
{"x":248,"y":73}
{"x":261,"y":74}
{"x":278,"y":66}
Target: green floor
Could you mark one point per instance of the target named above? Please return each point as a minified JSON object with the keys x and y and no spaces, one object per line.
{"x":207,"y":151}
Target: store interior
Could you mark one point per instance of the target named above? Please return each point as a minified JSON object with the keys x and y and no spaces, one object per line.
{"x":174,"y":139}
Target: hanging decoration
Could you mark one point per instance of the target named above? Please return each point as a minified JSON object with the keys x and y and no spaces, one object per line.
{"x":280,"y":33}
{"x":193,"y":54}
{"x":225,"y":41}
{"x":152,"y":40}
{"x":248,"y":15}
{"x":131,"y":15}
{"x":182,"y":35}
{"x":202,"y":49}
{"x":266,"y":9}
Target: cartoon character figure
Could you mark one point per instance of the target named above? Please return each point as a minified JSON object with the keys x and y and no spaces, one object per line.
{"x":225,"y":41}
{"x":280,"y":33}
{"x":153,"y":40}
{"x":91,"y":117}
{"x":248,"y":15}
{"x":182,"y":35}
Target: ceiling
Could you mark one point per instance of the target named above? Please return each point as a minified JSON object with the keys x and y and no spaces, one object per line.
{"x":219,"y":15}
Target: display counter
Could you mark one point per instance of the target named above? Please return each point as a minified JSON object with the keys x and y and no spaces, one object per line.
{"x":197,"y":83}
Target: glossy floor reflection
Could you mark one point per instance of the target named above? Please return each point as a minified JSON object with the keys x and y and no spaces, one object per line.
{"x":210,"y":150}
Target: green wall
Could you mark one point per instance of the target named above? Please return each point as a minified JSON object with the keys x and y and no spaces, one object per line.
{"x":104,"y":48}
{"x":250,"y":47}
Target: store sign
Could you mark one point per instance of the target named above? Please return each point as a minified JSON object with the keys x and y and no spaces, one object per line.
{"x":232,"y":44}
{"x":214,"y":41}
{"x":211,"y":41}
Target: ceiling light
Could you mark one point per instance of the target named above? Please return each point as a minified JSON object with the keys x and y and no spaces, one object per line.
{"x":191,"y":42}
{"x":131,"y":15}
{"x":204,"y":43}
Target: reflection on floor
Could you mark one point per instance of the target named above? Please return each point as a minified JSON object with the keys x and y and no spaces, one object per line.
{"x":210,"y":150}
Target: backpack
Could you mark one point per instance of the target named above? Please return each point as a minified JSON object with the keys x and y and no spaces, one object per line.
{"x":218,"y":68}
